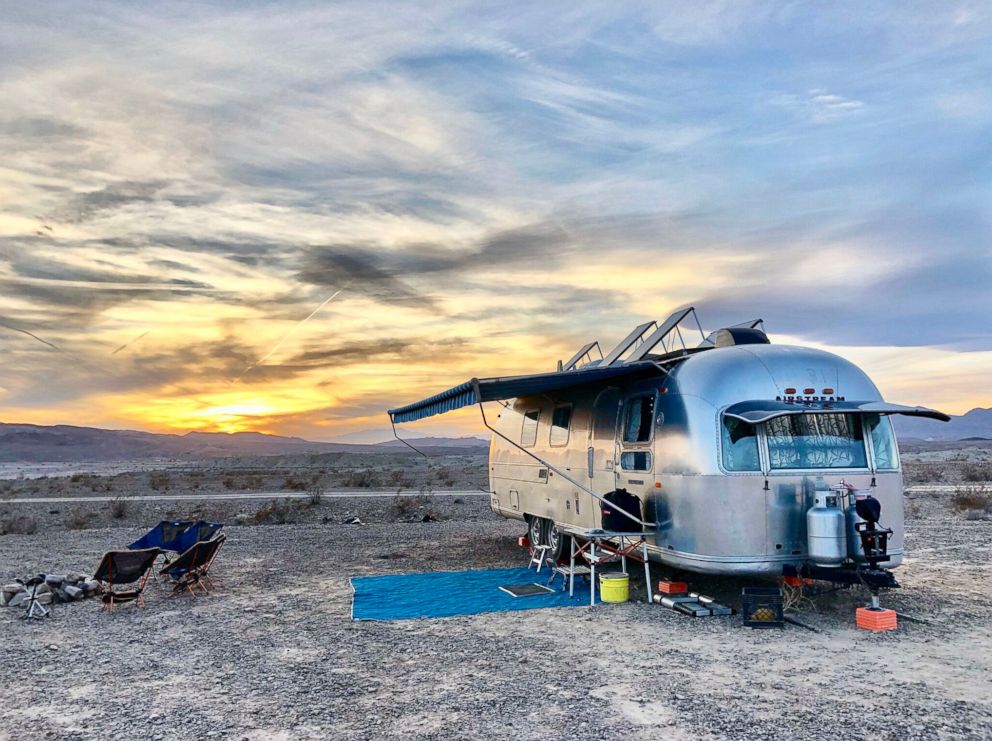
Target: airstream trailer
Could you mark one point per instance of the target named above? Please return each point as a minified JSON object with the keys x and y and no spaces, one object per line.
{"x":748,"y":458}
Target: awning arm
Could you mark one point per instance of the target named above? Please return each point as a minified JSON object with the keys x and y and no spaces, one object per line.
{"x":587,"y":490}
{"x":396,"y":435}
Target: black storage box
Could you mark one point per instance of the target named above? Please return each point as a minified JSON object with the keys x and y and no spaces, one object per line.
{"x":761,"y":607}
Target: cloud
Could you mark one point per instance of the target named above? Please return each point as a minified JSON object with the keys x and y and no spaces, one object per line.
{"x":491,"y":186}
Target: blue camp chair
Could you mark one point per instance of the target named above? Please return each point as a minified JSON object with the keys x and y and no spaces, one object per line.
{"x":197,"y":532}
{"x":162,"y":533}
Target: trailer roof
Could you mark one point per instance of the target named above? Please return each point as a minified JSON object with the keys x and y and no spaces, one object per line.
{"x":510,"y":387}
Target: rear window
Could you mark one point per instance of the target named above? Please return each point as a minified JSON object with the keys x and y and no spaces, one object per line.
{"x":883,"y":442}
{"x":816,"y":441}
{"x":740,"y":445}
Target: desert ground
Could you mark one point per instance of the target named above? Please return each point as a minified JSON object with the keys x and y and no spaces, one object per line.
{"x":272,"y":651}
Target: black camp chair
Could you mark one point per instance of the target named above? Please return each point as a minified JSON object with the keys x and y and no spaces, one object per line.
{"x":125,"y":567}
{"x":192,"y":568}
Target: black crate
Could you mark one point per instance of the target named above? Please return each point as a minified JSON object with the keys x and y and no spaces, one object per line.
{"x":761,"y":607}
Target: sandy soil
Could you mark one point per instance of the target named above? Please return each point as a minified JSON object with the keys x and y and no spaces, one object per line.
{"x":272,"y":653}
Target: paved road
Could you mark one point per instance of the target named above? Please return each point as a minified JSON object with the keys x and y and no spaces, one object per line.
{"x":334,"y":494}
{"x":945,"y":487}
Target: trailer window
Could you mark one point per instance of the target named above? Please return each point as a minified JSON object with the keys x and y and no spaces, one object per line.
{"x":883,"y":442}
{"x":740,"y":445}
{"x":816,"y":441}
{"x":635,"y":460}
{"x":638,"y":418}
{"x":528,"y":435}
{"x":561,"y":418}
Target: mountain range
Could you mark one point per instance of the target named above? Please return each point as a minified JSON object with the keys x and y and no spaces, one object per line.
{"x":976,"y":423}
{"x":68,"y":443}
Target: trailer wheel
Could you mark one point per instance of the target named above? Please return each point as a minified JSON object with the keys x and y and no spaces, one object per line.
{"x":535,"y":531}
{"x":558,"y":541}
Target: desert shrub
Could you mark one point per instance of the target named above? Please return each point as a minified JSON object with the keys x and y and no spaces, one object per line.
{"x":363,"y":479}
{"x":18,"y":526}
{"x":77,"y":478}
{"x":229,"y":483}
{"x":78,"y":519}
{"x":253,"y":481}
{"x":976,"y":471}
{"x":445,"y":476}
{"x":315,"y":492}
{"x":974,"y":498}
{"x":922,"y":473}
{"x":278,"y":512}
{"x":119,"y":507}
{"x":421,"y":504}
{"x":291,"y":483}
{"x":159,"y":480}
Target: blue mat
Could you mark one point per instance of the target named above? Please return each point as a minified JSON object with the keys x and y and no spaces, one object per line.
{"x":452,"y":593}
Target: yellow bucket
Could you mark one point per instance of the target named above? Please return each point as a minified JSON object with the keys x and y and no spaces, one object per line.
{"x":614,"y":587}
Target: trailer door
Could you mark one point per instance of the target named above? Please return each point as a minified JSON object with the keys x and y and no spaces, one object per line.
{"x":602,"y":451}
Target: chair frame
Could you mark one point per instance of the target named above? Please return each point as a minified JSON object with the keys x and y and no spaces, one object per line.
{"x":107,"y":585}
{"x":198,"y":573}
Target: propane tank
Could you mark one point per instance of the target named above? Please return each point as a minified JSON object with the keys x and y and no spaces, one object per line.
{"x":825,"y":529}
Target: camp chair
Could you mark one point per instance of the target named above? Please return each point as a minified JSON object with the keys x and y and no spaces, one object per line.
{"x":197,"y":532}
{"x":162,"y":533}
{"x":125,"y":567}
{"x":192,"y":568}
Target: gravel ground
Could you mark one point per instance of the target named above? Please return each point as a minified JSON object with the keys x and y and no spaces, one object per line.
{"x":272,"y":653}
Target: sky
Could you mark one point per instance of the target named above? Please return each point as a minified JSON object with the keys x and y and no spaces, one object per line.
{"x":482,"y":188}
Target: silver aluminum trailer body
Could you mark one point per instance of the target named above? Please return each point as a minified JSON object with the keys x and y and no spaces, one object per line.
{"x":709,"y":519}
{"x":724,"y":444}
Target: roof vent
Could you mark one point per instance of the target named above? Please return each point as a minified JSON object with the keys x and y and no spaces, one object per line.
{"x":731,"y":336}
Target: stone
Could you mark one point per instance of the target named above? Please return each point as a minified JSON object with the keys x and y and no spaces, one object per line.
{"x":9,"y":591}
{"x":18,"y":599}
{"x":90,"y":586}
{"x":54,"y":580}
{"x":73,"y":593}
{"x":74,"y":577}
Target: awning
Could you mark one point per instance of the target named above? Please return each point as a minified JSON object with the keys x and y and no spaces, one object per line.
{"x":760,"y":411}
{"x":512,"y":387}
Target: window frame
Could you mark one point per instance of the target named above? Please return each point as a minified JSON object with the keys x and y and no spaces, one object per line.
{"x":653,"y":395}
{"x":870,"y":442}
{"x":637,"y":451}
{"x":523,"y":427}
{"x":568,"y":429}
{"x":759,"y":441}
{"x":864,"y":445}
{"x":764,"y":455}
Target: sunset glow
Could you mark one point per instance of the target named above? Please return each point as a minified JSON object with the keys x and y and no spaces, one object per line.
{"x":182,"y":193}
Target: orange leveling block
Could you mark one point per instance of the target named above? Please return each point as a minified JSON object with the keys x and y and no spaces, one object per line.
{"x":876,"y":619}
{"x":672,"y":587}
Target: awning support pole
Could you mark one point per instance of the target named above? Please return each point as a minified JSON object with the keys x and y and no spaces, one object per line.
{"x":590,"y":492}
{"x":415,"y":450}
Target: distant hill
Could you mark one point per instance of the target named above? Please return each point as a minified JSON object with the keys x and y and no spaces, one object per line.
{"x":68,"y":443}
{"x":974,"y":424}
